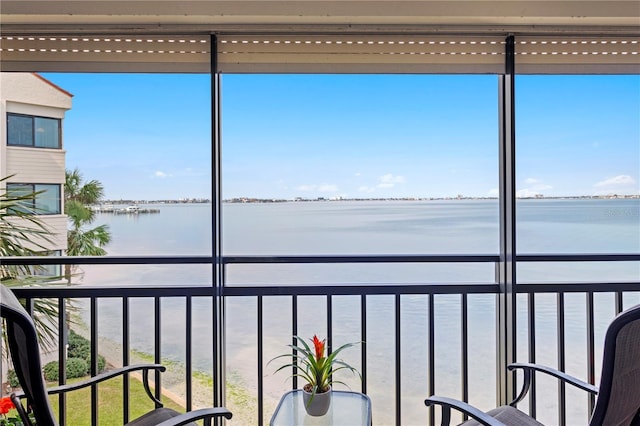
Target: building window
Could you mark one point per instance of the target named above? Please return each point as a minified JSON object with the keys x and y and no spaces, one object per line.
{"x":27,"y":130}
{"x":48,"y":270}
{"x":45,"y":201}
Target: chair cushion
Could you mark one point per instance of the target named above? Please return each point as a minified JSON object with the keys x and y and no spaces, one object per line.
{"x":155,"y":417}
{"x":508,"y":415}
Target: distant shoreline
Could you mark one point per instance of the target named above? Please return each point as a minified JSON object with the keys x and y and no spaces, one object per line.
{"x":178,"y":201}
{"x":240,"y":200}
{"x":459,"y":197}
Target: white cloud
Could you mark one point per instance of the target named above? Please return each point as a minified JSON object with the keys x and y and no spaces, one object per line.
{"x":186,"y":172}
{"x":534,"y":187}
{"x":616,"y":181}
{"x":305,"y":188}
{"x":325,"y":187}
{"x":389,"y":180}
{"x":493,"y":192}
{"x":161,"y":174}
{"x":617,"y":184}
{"x":526,"y":193}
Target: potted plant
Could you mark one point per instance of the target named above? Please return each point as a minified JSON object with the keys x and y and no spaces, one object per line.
{"x":317,"y":369}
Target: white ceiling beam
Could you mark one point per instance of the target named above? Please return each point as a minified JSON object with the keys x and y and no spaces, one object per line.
{"x":50,"y":35}
{"x":310,"y":15}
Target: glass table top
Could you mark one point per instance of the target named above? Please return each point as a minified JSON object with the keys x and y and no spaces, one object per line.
{"x":347,"y":408}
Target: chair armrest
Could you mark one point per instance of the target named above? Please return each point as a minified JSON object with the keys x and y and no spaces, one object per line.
{"x":145,"y":368}
{"x":528,"y":370}
{"x":105,"y":376}
{"x":449,"y":403}
{"x":204,"y":413}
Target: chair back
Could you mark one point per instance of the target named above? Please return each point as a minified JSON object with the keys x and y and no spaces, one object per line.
{"x":25,"y":354}
{"x":618,"y":400}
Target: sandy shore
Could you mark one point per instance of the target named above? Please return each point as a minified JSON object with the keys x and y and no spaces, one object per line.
{"x":240,"y":400}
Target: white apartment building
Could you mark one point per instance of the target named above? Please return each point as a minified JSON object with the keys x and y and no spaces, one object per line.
{"x":31,"y":146}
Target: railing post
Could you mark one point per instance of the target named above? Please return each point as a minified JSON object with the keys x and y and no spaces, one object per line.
{"x":63,"y":339}
{"x":218,"y":266}
{"x":506,"y":315}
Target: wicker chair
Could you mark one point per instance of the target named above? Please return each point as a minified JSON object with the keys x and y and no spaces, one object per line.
{"x":25,"y":353}
{"x":618,"y":401}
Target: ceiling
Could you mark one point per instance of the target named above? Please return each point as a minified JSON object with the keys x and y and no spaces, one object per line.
{"x":356,"y":36}
{"x":318,"y":16}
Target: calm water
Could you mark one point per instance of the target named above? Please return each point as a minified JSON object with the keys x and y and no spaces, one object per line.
{"x":389,"y":227}
{"x":434,"y":227}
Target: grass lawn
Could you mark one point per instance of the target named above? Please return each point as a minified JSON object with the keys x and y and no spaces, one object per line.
{"x":110,"y":400}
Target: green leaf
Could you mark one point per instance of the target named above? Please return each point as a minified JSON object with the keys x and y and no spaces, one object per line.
{"x":317,"y":372}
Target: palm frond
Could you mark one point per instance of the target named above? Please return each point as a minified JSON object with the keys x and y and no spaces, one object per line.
{"x":45,"y":311}
{"x":23,"y":233}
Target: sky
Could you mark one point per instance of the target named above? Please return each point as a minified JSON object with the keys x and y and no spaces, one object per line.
{"x":148,"y":136}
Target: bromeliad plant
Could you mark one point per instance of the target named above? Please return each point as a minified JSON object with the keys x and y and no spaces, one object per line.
{"x":313,"y":366}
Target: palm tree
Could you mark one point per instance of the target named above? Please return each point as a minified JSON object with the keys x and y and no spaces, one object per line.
{"x":22,"y":233}
{"x":78,"y":197}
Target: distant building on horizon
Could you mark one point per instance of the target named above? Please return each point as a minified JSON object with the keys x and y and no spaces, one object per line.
{"x":31,"y":146}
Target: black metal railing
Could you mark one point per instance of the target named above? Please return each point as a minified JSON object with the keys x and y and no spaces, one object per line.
{"x":395,"y":400}
{"x":363,"y":291}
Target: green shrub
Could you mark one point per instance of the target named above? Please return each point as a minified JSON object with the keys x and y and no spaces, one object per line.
{"x":51,"y":371}
{"x":76,"y":367}
{"x":79,"y":347}
{"x":102,"y":363}
{"x":12,"y":378}
{"x":78,"y":361}
{"x":74,"y":337}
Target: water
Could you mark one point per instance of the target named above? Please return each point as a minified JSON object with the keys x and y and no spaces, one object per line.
{"x":373,"y":227}
{"x":380,"y":227}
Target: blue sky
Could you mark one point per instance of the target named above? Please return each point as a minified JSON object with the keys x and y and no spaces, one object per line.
{"x":284,"y":136}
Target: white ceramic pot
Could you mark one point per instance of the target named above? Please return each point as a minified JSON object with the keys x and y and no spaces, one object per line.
{"x":319,"y":404}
